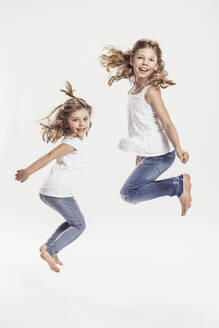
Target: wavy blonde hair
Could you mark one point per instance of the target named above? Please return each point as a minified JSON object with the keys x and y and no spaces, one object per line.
{"x":57,"y":127}
{"x":120,"y":61}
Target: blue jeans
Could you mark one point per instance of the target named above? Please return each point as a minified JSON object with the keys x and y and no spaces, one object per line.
{"x":68,"y":230}
{"x":141,"y":184}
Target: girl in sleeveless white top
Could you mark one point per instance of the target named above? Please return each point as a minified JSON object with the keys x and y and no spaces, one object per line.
{"x":151,"y":134}
{"x":146,"y":134}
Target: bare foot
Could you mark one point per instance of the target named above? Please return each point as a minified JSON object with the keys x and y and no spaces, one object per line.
{"x":57,"y":260}
{"x":186,"y":199}
{"x":50,"y":260}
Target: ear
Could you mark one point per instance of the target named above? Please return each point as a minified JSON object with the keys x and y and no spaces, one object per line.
{"x":131,"y":60}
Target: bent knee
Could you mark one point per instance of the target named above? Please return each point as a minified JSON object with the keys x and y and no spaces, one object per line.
{"x":81,"y":225}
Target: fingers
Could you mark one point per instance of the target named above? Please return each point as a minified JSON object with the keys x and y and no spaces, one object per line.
{"x":180,"y":156}
{"x":185,"y":157}
{"x":19,"y":176}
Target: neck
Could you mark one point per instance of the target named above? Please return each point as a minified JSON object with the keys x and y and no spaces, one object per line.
{"x":140,"y":83}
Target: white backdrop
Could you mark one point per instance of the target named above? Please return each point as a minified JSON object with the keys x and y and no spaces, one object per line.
{"x":136,"y":265}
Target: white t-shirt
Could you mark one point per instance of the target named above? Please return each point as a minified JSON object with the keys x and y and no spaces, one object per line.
{"x":146,"y":134}
{"x":63,"y":177}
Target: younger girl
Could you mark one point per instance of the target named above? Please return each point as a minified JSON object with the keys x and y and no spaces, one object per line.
{"x":152,"y":134}
{"x":71,"y":123}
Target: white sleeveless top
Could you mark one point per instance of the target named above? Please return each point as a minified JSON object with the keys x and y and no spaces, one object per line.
{"x":146,"y":134}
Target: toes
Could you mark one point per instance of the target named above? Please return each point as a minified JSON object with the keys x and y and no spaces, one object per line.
{"x":41,"y":255}
{"x":42,"y":248}
{"x":57,"y":260}
{"x":54,"y":268}
{"x":51,"y":262}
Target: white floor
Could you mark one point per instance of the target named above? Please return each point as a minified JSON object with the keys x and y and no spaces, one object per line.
{"x":122,"y":273}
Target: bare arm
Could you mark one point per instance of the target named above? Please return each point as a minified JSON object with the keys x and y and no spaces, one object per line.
{"x":138,"y":159}
{"x":58,"y":151}
{"x":154,"y":98}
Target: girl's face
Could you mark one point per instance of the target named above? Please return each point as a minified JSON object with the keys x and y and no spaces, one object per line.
{"x":144,"y":62}
{"x":79,"y":122}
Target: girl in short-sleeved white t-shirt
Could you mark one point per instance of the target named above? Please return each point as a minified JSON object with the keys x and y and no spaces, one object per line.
{"x":64,"y":175}
{"x":71,"y":123}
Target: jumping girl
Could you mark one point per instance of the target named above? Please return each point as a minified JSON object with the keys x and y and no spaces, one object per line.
{"x":71,"y":123}
{"x":152,"y":134}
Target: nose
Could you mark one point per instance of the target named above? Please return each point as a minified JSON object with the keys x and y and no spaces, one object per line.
{"x":145,"y":62}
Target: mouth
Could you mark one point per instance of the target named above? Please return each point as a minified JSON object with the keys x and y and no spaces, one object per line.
{"x":143,"y":69}
{"x":81,"y":130}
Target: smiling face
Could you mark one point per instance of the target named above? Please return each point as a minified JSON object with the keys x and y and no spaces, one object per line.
{"x":79,"y":122}
{"x":144,"y":63}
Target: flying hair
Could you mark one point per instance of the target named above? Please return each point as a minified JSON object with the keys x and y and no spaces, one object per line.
{"x":117,"y":63}
{"x":69,"y":91}
{"x":57,"y":127}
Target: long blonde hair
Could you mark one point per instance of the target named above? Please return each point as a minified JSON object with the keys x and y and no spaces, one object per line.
{"x":57,"y":127}
{"x":120,"y":60}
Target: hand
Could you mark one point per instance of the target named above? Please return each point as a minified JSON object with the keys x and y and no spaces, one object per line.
{"x":22,"y":175}
{"x":138,"y":160}
{"x":183,"y":155}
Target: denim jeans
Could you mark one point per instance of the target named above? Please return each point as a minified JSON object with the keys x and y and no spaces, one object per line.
{"x":141,"y":184}
{"x":68,"y":230}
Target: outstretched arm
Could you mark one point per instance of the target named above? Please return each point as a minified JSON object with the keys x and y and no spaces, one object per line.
{"x":59,"y":151}
{"x":153,"y":97}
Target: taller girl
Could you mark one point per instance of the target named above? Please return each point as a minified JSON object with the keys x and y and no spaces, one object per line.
{"x":152,"y":134}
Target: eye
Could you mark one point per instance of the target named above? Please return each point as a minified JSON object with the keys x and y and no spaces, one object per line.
{"x":139,"y":57}
{"x":74,"y":119}
{"x":86,"y":119}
